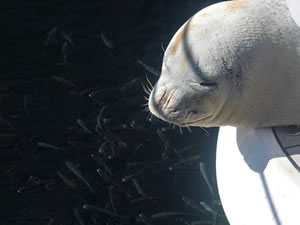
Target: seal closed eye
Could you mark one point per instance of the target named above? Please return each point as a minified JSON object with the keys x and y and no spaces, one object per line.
{"x":208,"y":84}
{"x":233,"y":63}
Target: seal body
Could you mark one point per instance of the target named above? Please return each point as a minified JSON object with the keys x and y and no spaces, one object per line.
{"x":294,"y":7}
{"x":233,"y":63}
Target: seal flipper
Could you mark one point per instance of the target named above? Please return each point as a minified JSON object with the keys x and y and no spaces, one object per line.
{"x":294,"y":7}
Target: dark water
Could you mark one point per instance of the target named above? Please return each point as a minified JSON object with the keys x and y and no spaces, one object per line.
{"x":54,"y":55}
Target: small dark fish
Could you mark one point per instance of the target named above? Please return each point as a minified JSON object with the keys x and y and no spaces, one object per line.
{"x":171,"y":214}
{"x":101,"y":163}
{"x":205,"y":176}
{"x":191,"y":204}
{"x":105,"y":177}
{"x":32,"y":187}
{"x":122,"y":145}
{"x":208,"y":208}
{"x":64,"y":51}
{"x":6,"y":122}
{"x":83,"y":126}
{"x":163,"y":138}
{"x":50,"y":36}
{"x":185,"y":161}
{"x":129,"y":85}
{"x":101,"y":210}
{"x":99,"y":125}
{"x":109,"y":180}
{"x":131,"y":176}
{"x":105,"y":41}
{"x":78,"y":216}
{"x":63,"y":80}
{"x":67,"y":38}
{"x":79,"y":174}
{"x":103,"y":146}
{"x":51,"y":221}
{"x":111,"y":198}
{"x":133,"y":164}
{"x":148,"y":68}
{"x":144,"y":219}
{"x":67,"y":180}
{"x":138,"y":187}
{"x":112,"y":149}
{"x":45,"y":145}
{"x":187,"y":148}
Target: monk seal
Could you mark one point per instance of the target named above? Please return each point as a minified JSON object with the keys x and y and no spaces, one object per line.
{"x":233,"y":63}
{"x":294,"y":7}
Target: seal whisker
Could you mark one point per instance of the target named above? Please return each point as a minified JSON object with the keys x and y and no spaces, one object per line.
{"x":189,"y":129}
{"x":180,"y":130}
{"x":206,"y":133}
{"x":145,"y":89}
{"x":148,"y":89}
{"x":162,"y":46}
{"x":149,"y":82}
{"x":146,"y":107}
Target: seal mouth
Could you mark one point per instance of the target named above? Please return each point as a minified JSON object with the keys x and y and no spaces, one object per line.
{"x":193,"y":122}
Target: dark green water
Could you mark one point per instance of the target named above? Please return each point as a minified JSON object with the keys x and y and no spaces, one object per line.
{"x":53,"y":56}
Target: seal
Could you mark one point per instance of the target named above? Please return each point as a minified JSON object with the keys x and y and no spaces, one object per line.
{"x":294,"y":7}
{"x":233,"y":63}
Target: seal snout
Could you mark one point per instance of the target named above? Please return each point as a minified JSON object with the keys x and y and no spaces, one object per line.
{"x":167,"y":103}
{"x":158,"y":101}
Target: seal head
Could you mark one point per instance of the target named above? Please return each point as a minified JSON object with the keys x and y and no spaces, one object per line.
{"x":226,"y":64}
